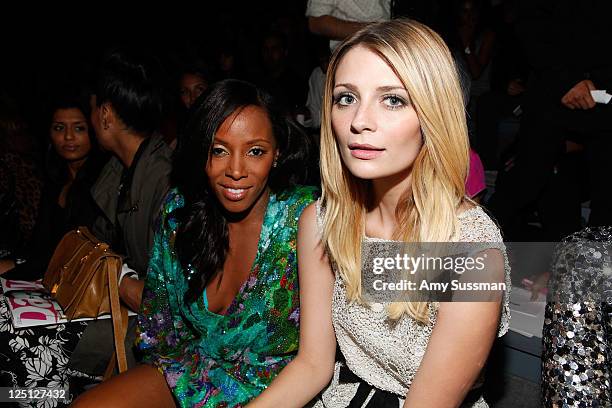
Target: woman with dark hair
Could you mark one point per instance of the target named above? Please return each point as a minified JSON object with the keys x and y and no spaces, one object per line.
{"x":220,"y":312}
{"x":73,"y":164}
{"x":38,"y":356}
{"x":194,"y":79}
{"x":126,"y":113}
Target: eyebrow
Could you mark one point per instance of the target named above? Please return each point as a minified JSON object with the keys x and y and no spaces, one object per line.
{"x":254,"y":141}
{"x":385,"y":88}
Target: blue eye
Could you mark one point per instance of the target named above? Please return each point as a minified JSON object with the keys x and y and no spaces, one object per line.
{"x":345,"y":99}
{"x":394,"y":101}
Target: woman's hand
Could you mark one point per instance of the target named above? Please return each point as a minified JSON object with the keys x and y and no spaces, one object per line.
{"x":130,"y":292}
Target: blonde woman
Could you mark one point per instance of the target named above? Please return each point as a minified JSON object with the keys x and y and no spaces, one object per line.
{"x":394,"y":159}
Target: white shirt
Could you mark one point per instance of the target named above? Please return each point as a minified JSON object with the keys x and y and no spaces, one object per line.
{"x":314,"y":102}
{"x":363,"y":11}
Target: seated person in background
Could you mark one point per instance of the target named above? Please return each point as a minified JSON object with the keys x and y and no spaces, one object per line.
{"x":577,"y":336}
{"x":126,"y":110}
{"x":338,"y":19}
{"x":194,"y":79}
{"x":316,"y":86}
{"x":220,"y":312}
{"x":38,"y":356}
{"x":277,"y":76}
{"x":73,"y":165}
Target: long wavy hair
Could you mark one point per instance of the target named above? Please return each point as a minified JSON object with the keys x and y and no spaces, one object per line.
{"x":202,"y":239}
{"x":426,"y":212}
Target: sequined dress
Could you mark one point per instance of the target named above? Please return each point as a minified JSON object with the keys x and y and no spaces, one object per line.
{"x":577,"y":336}
{"x":212,"y":360}
{"x":387,"y":356}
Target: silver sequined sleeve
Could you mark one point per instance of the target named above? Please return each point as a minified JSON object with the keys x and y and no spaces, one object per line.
{"x":577,"y":337}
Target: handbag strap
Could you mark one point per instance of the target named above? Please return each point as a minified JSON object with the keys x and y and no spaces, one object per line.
{"x":120,"y":323}
{"x":110,"y":368}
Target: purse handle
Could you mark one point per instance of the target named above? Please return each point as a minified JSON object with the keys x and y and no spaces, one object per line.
{"x":120,"y":324}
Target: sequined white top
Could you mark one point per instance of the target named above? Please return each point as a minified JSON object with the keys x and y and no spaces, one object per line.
{"x":387,"y":354}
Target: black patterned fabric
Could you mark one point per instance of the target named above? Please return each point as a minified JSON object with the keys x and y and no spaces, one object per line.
{"x":37,"y":356}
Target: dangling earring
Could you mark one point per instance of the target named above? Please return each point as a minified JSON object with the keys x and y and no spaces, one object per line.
{"x":274,"y":164}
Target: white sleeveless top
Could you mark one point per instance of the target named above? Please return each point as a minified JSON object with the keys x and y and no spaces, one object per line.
{"x":387,"y":354}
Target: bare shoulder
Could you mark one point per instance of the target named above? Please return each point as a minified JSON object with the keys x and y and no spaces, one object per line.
{"x":309,"y":225}
{"x":310,"y":248}
{"x":308,"y":218}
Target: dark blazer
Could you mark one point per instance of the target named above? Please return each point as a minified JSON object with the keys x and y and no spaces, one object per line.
{"x":149,"y":186}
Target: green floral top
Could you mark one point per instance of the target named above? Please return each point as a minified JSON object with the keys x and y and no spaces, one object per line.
{"x":212,"y":360}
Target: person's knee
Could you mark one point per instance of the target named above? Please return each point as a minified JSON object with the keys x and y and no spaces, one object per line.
{"x":140,"y":386}
{"x":101,"y":397}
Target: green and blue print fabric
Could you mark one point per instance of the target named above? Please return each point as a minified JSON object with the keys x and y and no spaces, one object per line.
{"x":212,"y":360}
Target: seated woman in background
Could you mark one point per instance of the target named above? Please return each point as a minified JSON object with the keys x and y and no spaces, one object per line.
{"x":73,"y":165}
{"x":220,"y":311}
{"x":38,"y":356}
{"x":394,"y":160}
{"x":194,"y":80}
{"x":126,"y":114}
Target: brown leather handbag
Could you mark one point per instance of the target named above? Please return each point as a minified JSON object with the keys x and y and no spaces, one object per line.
{"x":82,"y":277}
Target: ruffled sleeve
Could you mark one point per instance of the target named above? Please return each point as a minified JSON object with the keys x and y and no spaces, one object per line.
{"x":161,"y":328}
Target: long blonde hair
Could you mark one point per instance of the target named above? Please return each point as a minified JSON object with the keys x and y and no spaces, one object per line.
{"x":427,"y":210}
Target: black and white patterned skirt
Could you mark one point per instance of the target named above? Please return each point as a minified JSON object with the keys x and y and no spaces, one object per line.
{"x":37,"y":357}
